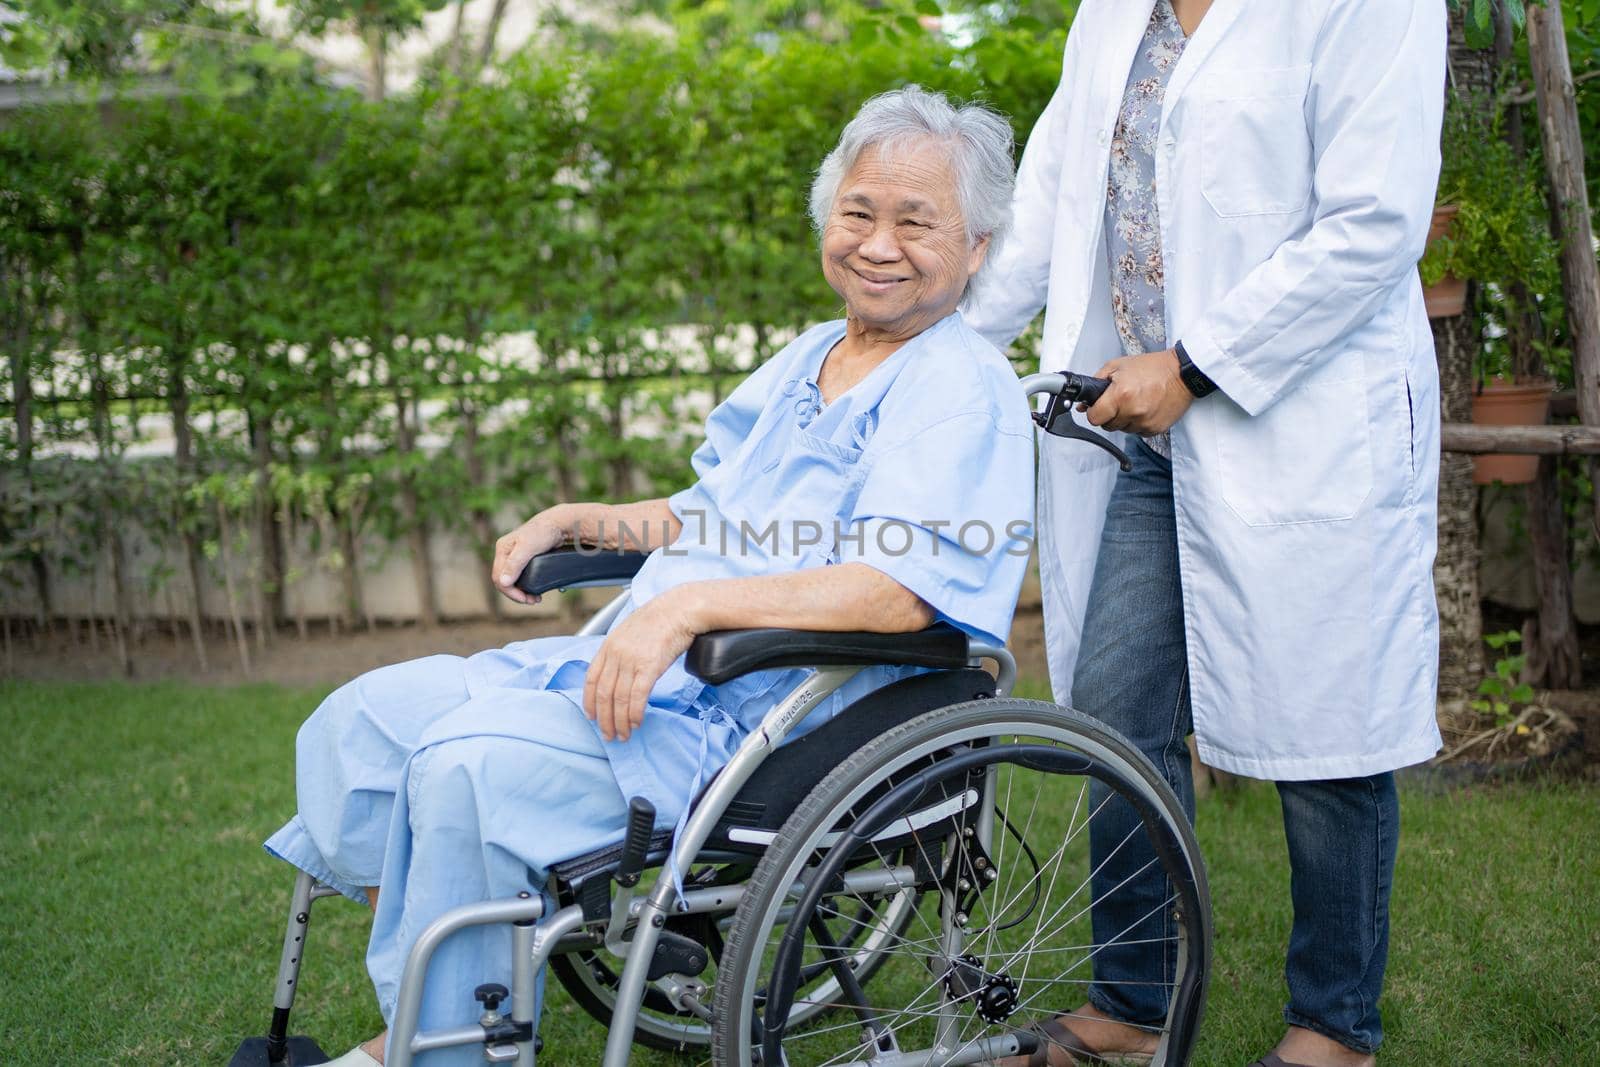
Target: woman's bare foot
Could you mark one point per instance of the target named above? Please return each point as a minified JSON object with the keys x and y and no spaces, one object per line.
{"x":1311,"y":1049}
{"x":374,"y":1048}
{"x":363,"y":1055}
{"x":1099,"y":1033}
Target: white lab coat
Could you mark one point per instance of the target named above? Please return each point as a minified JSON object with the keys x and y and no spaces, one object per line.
{"x":1296,"y":166}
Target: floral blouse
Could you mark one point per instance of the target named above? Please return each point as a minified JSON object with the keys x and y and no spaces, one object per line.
{"x":1133,"y":227}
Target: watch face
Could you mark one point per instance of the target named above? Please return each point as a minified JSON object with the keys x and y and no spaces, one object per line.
{"x":1197,"y":382}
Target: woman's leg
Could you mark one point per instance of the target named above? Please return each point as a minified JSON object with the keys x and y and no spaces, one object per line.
{"x":497,"y":791}
{"x":1342,"y":836}
{"x":1132,"y":675}
{"x":349,"y":756}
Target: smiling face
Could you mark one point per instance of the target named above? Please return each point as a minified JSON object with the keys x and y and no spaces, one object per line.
{"x":895,"y":244}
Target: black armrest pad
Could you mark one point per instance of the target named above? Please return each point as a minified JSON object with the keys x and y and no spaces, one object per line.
{"x":570,"y":566}
{"x":721,"y":655}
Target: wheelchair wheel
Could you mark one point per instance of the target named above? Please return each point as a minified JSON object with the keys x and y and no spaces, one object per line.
{"x":1002,"y":934}
{"x":591,"y":976}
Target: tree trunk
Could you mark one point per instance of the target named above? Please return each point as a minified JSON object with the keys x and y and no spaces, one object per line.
{"x":269,"y":550}
{"x":411,"y":515}
{"x":355,"y":608}
{"x":224,"y":536}
{"x":1550,"y":636}
{"x":377,"y":61}
{"x":1457,"y":342}
{"x":455,"y":39}
{"x":1455,"y":569}
{"x":183,"y":458}
{"x":490,"y":32}
{"x":18,"y":340}
{"x":482,"y":521}
{"x":620,"y":464}
{"x":100,"y":394}
{"x":1563,"y":154}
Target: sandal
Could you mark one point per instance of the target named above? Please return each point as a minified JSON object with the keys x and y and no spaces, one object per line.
{"x":1272,"y":1059}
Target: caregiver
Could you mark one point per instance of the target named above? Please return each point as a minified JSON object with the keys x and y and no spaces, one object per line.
{"x":1234,"y":196}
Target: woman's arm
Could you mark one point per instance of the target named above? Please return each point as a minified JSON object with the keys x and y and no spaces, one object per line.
{"x":642,"y":526}
{"x":850,"y":596}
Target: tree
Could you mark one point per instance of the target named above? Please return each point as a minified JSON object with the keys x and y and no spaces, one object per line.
{"x":374,"y":21}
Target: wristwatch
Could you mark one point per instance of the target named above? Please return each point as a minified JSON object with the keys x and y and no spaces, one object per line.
{"x":1193,"y":377}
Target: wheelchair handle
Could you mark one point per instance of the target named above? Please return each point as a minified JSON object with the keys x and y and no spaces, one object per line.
{"x":636,"y":842}
{"x":1083,"y":389}
{"x":1066,"y":389}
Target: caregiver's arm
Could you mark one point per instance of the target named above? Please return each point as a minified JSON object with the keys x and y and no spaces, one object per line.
{"x":849,"y":596}
{"x":642,"y":526}
{"x":1376,"y":111}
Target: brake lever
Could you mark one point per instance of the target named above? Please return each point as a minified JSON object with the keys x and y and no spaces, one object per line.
{"x":1057,"y":420}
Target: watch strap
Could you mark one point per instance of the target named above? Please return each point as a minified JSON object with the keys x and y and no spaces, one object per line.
{"x":1194,"y":379}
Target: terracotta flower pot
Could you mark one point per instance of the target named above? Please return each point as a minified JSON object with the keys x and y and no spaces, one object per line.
{"x":1503,"y":403}
{"x":1448,"y":296}
{"x":1443,"y":216}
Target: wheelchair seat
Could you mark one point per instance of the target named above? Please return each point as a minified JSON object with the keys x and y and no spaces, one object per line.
{"x":752,"y":820}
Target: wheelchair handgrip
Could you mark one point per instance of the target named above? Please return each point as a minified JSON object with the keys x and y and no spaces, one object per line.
{"x":1084,"y":389}
{"x":636,"y":842}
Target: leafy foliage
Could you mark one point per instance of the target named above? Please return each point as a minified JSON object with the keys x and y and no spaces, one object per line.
{"x":1501,"y":692}
{"x":364,"y":319}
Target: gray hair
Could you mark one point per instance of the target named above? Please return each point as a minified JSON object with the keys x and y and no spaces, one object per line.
{"x":980,"y":143}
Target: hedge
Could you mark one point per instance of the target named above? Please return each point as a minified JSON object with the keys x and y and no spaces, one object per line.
{"x":366,"y":322}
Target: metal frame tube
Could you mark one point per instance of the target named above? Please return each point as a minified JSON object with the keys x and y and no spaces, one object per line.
{"x":601,"y":620}
{"x":294,"y":950}
{"x":1007,"y":676}
{"x":524,"y":986}
{"x":821,"y":684}
{"x":977,"y":1050}
{"x":726,"y":898}
{"x":403,"y":1037}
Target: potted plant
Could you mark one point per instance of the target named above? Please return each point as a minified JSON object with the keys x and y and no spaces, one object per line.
{"x":1492,"y":227}
{"x":1446,"y":293}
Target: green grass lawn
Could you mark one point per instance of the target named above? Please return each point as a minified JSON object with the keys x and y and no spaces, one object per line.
{"x":139,"y":918}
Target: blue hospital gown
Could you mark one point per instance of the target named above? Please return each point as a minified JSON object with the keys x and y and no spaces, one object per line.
{"x":447,"y":780}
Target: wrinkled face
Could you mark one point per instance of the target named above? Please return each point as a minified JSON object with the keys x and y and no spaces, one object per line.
{"x":895,"y":244}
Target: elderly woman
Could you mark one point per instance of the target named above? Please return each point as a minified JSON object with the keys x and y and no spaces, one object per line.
{"x":443,"y":781}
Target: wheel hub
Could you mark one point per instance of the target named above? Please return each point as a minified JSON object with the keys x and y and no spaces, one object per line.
{"x":993,"y":995}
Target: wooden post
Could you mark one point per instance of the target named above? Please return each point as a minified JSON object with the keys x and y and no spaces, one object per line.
{"x":1550,"y":635}
{"x":1569,"y":201}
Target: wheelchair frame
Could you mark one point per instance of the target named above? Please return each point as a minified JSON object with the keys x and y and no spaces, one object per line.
{"x":537,"y":937}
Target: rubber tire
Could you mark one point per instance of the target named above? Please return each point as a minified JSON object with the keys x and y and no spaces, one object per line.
{"x":1004,"y":715}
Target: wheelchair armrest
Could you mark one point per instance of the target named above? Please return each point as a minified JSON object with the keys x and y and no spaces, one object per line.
{"x":722,"y":655}
{"x":566,"y":568}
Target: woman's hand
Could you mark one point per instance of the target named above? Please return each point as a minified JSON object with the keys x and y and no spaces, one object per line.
{"x":512,"y":552}
{"x":1146,"y":396}
{"x":633,"y":657}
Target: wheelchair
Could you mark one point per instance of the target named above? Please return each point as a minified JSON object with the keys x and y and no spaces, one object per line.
{"x":907,"y":884}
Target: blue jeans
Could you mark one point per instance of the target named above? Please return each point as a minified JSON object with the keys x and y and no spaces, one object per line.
{"x":1132,"y":674}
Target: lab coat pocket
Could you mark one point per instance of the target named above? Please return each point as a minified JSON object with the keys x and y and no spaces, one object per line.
{"x":1307,"y":458}
{"x":1255,"y":156}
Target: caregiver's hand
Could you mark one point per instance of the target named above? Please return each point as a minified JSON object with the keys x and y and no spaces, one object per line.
{"x":538,"y":535}
{"x":1146,"y":396}
{"x":634,"y":655}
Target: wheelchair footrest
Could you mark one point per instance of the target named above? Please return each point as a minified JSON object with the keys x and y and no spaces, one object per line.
{"x":302,"y":1052}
